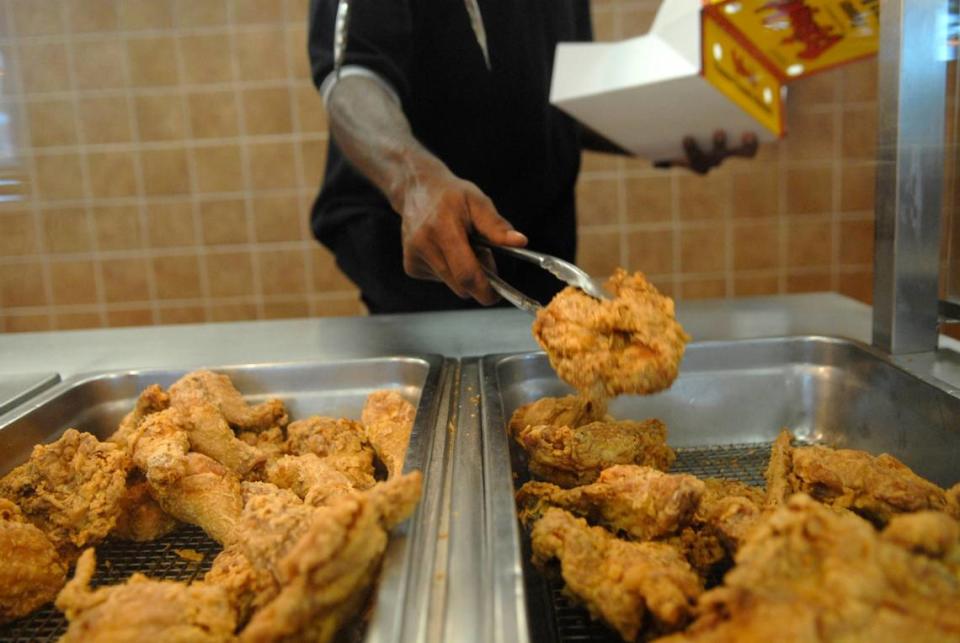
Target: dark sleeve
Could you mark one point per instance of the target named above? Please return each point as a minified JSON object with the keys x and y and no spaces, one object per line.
{"x":584,"y":22}
{"x":380,"y":38}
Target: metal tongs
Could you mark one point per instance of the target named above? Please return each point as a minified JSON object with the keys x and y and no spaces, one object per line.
{"x":562,"y":270}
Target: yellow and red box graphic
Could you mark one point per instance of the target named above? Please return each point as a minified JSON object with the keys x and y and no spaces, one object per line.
{"x":740,"y":74}
{"x":797,"y":38}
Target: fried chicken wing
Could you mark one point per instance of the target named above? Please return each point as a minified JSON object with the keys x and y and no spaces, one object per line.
{"x":632,"y":344}
{"x":31,"y":573}
{"x":641,"y":502}
{"x":876,"y":487}
{"x":217,"y":389}
{"x":341,"y":442}
{"x":143,"y":610}
{"x":309,"y":476}
{"x":210,"y":435}
{"x":572,"y":456}
{"x":152,"y":400}
{"x":388,"y":419}
{"x":811,"y":573}
{"x":629,"y":585}
{"x":141,"y":518}
{"x":189,"y":486}
{"x":70,"y":489}
{"x":326,"y":576}
{"x":571,"y":410}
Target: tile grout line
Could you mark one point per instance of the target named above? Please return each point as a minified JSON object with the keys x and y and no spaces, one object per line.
{"x":675,"y":239}
{"x":781,"y":221}
{"x":298,"y":159}
{"x":158,"y":253}
{"x":176,"y":144}
{"x":837,"y":194}
{"x":245,"y":165}
{"x":193,"y":177}
{"x":31,"y":163}
{"x":100,"y":291}
{"x":141,"y":202}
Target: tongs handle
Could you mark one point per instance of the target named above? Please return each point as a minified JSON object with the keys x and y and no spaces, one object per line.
{"x":565,"y":271}
{"x":505,"y":290}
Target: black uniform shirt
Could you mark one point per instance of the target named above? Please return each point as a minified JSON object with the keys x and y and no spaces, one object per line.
{"x":494,"y":127}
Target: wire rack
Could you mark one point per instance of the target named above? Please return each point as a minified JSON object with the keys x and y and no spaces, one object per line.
{"x":116,"y":561}
{"x":568,"y":622}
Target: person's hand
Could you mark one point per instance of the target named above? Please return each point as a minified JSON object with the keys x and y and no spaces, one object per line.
{"x":439,"y":212}
{"x":702,"y":162}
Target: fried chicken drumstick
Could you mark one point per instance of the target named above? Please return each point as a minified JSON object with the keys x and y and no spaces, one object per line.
{"x":217,"y":389}
{"x":388,"y":419}
{"x":632,"y":344}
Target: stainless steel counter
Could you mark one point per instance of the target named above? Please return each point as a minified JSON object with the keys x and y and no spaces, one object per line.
{"x":457,"y":334}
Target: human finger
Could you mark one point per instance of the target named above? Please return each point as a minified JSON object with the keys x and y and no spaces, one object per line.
{"x":487,"y":222}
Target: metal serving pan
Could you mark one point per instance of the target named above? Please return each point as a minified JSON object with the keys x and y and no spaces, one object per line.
{"x":16,"y":389}
{"x":96,"y":403}
{"x":724,"y":410}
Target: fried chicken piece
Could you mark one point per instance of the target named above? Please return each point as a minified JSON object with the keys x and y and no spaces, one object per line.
{"x":152,"y":400}
{"x":191,"y":487}
{"x":811,"y":573}
{"x":31,"y":573}
{"x":143,"y":609}
{"x":216,"y":389}
{"x":931,"y":533}
{"x":631,"y":586}
{"x":701,"y":548}
{"x":210,"y":435}
{"x":953,"y":500}
{"x":571,"y":410}
{"x":729,"y":510}
{"x":632,"y":344}
{"x":572,"y":456}
{"x":876,"y":487}
{"x":326,"y":577}
{"x":309,"y":476}
{"x":248,"y":588}
{"x":779,"y":470}
{"x":341,"y":442}
{"x":272,"y":521}
{"x":388,"y":419}
{"x":141,"y":518}
{"x":70,"y":489}
{"x":270,"y":443}
{"x":641,"y":502}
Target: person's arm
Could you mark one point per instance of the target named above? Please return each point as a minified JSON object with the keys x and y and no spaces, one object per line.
{"x":439,"y":210}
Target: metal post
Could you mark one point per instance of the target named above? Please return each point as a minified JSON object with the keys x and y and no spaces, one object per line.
{"x":910,"y":156}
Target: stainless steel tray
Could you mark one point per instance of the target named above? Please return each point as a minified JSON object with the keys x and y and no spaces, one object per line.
{"x":96,"y":403}
{"x":16,"y":389}
{"x":728,"y":404}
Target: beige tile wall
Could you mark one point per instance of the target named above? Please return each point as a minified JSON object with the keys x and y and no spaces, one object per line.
{"x":167,"y":153}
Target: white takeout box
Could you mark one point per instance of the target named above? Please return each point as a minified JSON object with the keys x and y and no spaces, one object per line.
{"x":647,"y":93}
